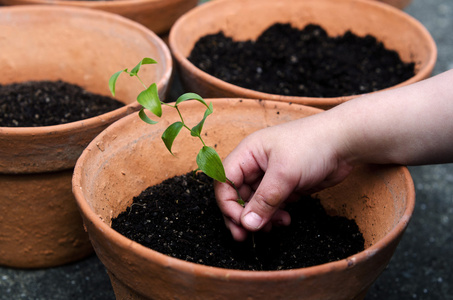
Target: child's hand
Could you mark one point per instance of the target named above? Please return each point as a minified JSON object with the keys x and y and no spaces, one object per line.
{"x":411,"y":125}
{"x":273,"y":166}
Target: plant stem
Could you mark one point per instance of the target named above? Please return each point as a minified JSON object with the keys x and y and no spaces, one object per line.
{"x":139,"y":79}
{"x":239,"y":199}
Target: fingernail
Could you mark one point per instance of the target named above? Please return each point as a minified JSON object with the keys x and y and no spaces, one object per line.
{"x":253,"y":220}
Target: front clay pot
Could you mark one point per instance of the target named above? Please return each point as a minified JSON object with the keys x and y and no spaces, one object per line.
{"x":395,"y":29}
{"x":117,"y":166}
{"x":41,"y":226}
{"x":157,"y":15}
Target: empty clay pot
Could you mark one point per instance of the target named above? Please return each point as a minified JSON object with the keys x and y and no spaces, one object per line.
{"x":113,"y":169}
{"x":157,"y":15}
{"x":41,"y":226}
{"x":397,"y":30}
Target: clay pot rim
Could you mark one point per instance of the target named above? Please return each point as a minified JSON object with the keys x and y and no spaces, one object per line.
{"x":321,"y":101}
{"x":67,"y":127}
{"x":102,"y":3}
{"x":147,"y":254}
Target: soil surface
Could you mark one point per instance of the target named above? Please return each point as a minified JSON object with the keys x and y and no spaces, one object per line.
{"x":45,"y":103}
{"x":292,"y":62}
{"x":180,"y":218}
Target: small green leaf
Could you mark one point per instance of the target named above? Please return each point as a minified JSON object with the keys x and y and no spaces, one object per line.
{"x":210,"y":163}
{"x":145,"y":61}
{"x":149,"y":99}
{"x":171,"y":133}
{"x":196,"y":130}
{"x":145,"y":118}
{"x":190,"y":96}
{"x":113,"y":79}
{"x":148,"y":61}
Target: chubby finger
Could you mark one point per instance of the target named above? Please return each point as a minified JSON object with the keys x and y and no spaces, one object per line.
{"x":227,"y":197}
{"x":231,"y":209}
{"x":237,"y":231}
{"x":281,"y":218}
{"x":274,"y":189}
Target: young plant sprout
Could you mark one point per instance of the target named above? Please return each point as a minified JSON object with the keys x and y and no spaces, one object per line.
{"x":208,"y":160}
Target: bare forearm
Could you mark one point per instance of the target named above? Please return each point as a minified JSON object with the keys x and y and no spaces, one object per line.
{"x":411,"y":125}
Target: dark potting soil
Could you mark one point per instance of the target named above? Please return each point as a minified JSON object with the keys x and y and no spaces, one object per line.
{"x":180,"y":218}
{"x":45,"y":103}
{"x":288,"y":61}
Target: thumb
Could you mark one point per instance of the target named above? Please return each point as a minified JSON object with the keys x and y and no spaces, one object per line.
{"x":273,"y":190}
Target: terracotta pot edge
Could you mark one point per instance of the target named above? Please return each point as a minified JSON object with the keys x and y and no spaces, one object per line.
{"x":98,"y":4}
{"x":208,"y":271}
{"x":115,"y":114}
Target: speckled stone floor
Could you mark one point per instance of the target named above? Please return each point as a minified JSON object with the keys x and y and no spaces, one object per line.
{"x":420,"y":268}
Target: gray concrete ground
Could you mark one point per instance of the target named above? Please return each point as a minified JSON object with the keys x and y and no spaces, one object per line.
{"x":420,"y":268}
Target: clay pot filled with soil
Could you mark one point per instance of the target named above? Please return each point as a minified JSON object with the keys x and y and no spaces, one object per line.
{"x":180,"y":218}
{"x":379,"y":199}
{"x":317,"y":53}
{"x":47,"y":51}
{"x":157,"y":15}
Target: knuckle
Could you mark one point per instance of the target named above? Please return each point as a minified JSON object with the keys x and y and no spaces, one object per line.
{"x":268,"y":203}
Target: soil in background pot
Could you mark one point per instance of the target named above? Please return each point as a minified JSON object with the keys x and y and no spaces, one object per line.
{"x":292,"y":62}
{"x":46,"y":103}
{"x":180,"y":218}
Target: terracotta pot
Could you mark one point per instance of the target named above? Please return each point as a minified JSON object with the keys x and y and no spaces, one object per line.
{"x":381,"y":199}
{"x":157,"y":15}
{"x":81,"y":46}
{"x":396,"y":29}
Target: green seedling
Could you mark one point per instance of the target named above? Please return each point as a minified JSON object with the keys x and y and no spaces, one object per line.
{"x":208,"y":160}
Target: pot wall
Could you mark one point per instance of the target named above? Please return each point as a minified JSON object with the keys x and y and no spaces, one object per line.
{"x":157,"y":15}
{"x":41,"y":226}
{"x":105,"y":181}
{"x":80,"y":46}
{"x":397,"y":30}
